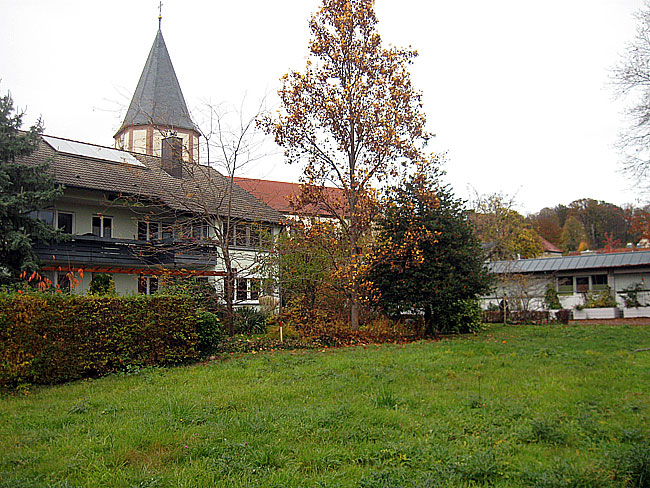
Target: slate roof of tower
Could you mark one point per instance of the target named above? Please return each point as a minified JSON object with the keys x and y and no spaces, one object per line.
{"x":158,"y":98}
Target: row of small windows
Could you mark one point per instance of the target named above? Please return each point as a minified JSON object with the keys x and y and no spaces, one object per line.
{"x":568,"y":285}
{"x":246,"y":289}
{"x":241,"y":235}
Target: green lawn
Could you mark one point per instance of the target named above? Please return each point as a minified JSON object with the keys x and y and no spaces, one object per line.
{"x":550,"y":406}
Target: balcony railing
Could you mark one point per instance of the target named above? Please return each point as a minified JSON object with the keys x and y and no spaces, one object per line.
{"x":91,"y":250}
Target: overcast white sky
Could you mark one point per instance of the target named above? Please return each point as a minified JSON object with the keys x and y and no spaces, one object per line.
{"x":515,"y":90}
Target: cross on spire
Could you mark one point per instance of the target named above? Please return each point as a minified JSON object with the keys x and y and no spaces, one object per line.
{"x":159,"y":14}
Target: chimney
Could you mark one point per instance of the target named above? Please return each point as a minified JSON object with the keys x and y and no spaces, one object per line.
{"x":172,"y":156}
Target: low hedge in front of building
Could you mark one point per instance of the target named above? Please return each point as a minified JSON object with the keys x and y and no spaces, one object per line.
{"x":55,"y":338}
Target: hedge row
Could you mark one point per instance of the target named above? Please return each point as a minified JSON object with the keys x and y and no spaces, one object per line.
{"x":536,"y":317}
{"x":55,"y":338}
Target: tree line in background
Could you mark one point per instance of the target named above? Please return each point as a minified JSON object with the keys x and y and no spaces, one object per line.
{"x":584,"y":224}
{"x":592,"y":224}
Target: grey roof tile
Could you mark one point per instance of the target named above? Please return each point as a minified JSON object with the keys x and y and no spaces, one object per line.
{"x":205,"y":192}
{"x":158,"y":98}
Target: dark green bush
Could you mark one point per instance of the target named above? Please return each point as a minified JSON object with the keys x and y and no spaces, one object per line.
{"x":102,"y":284}
{"x":210,"y":331}
{"x":52,"y":338}
{"x":459,"y":318}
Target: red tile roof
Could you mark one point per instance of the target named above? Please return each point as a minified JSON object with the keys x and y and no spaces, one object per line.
{"x":279,"y":195}
{"x":548,"y":247}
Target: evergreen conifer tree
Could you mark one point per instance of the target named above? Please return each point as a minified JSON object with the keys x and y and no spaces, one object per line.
{"x":25,"y":189}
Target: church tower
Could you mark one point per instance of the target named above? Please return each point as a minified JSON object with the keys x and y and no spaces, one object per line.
{"x":158,"y":111}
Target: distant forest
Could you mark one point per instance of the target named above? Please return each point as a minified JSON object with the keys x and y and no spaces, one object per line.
{"x":584,"y":224}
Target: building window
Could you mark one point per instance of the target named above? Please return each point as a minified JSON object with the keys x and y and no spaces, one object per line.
{"x":250,"y":235}
{"x":194,"y":230}
{"x":200,"y":231}
{"x":254,"y":289}
{"x":247,"y":289}
{"x":241,"y":289}
{"x":147,"y":284}
{"x":599,"y":282}
{"x":568,"y":285}
{"x":582,"y":284}
{"x":102,"y":226}
{"x":45,"y":216}
{"x":148,"y":231}
{"x":65,"y":221}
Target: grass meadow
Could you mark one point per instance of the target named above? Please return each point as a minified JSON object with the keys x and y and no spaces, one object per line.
{"x":538,"y":406}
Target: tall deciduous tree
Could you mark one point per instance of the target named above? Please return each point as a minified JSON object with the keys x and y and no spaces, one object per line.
{"x":547,"y":224}
{"x":428,"y":257}
{"x":573,"y":234}
{"x":599,"y":218}
{"x":505,"y":232}
{"x":351,"y":117}
{"x":24,"y":189}
{"x":214,"y":220}
{"x":632,"y":78}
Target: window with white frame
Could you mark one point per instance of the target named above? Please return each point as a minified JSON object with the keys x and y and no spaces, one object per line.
{"x":102,"y":226}
{"x":253,"y":235}
{"x":59,"y":219}
{"x":46,"y":216}
{"x":247,"y":289}
{"x":200,"y":231}
{"x":148,"y":231}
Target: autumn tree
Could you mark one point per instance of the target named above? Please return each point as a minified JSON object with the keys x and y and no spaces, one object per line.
{"x":306,"y":265}
{"x":573,"y":234}
{"x":427,"y":257}
{"x":24,"y":191}
{"x":638,"y":222}
{"x":504,"y":232}
{"x":598,"y":219}
{"x":351,"y":117}
{"x":547,"y":225}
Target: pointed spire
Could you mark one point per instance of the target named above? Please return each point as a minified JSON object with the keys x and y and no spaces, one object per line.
{"x":158,"y":99}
